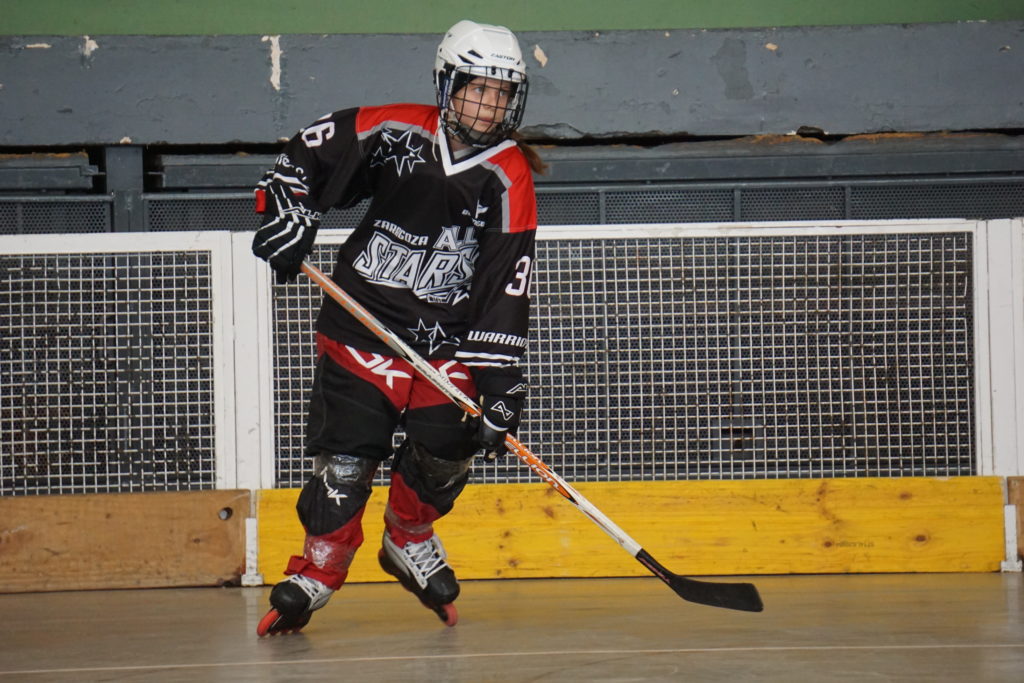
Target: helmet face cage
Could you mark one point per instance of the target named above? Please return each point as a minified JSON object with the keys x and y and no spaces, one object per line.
{"x":471,"y":51}
{"x":451,"y":82}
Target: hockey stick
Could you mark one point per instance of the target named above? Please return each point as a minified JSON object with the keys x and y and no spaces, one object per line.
{"x":740,"y":596}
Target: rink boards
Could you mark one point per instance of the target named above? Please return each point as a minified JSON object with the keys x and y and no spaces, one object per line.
{"x":524,"y":531}
{"x":694,"y":527}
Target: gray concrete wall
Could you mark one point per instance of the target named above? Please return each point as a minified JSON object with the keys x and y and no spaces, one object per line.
{"x":251,"y":89}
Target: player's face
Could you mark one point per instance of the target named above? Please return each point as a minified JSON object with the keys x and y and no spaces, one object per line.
{"x":481,"y":103}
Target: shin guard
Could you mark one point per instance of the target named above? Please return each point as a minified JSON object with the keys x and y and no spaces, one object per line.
{"x":327,"y":558}
{"x":423,"y":489}
{"x":331,"y":508}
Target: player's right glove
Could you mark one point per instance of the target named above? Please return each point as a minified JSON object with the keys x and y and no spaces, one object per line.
{"x":502,"y":391}
{"x":288,"y":231}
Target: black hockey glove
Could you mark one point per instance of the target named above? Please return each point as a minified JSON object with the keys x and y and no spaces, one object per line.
{"x":501,"y":393}
{"x":288,"y":232}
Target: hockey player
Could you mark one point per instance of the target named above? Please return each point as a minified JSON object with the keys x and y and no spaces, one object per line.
{"x":443,"y":257}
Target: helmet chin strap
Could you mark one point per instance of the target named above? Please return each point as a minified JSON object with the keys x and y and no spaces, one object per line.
{"x":467,"y":136}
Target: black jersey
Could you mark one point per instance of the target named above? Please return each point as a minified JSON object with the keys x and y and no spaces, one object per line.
{"x":444,"y":254}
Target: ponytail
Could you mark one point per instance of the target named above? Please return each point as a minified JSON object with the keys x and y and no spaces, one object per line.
{"x":537,"y":164}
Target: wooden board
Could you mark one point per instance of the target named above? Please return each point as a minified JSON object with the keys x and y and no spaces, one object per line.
{"x":137,"y":540}
{"x":1015,"y":496}
{"x":695,"y":528}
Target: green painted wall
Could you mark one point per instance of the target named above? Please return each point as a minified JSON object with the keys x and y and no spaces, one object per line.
{"x":211,"y":17}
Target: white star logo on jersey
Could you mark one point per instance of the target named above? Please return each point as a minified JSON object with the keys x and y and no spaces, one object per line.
{"x":435,"y":336}
{"x":398,"y":150}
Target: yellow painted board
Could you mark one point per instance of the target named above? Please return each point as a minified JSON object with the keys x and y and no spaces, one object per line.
{"x":693,"y":527}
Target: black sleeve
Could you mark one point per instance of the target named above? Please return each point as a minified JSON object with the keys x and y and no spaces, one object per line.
{"x":500,"y":294}
{"x":323,"y":163}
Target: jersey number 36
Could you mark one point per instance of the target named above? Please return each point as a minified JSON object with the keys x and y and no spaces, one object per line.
{"x":521,"y":282}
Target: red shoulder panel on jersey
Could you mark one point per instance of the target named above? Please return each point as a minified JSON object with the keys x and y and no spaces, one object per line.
{"x":422,"y":115}
{"x":522,"y":201}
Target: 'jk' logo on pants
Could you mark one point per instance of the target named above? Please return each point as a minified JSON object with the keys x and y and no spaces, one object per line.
{"x":379,"y":365}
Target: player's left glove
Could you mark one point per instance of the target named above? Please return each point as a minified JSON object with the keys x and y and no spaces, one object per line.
{"x":501,"y":394}
{"x":288,"y":231}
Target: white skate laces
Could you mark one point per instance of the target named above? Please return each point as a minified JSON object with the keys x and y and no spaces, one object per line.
{"x":318,"y":593}
{"x":422,"y":560}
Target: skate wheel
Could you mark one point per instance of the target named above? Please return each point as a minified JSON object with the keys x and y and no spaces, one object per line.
{"x":272,"y":618}
{"x":263,"y":628}
{"x":448,"y":614}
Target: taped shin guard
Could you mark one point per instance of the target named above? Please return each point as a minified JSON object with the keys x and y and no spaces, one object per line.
{"x":327,"y":558}
{"x":330,"y":508}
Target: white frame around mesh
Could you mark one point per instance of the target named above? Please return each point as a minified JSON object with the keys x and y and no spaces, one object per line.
{"x":999,"y":268}
{"x":247,"y":451}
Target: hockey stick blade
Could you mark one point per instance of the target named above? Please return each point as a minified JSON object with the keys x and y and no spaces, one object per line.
{"x":739,"y":596}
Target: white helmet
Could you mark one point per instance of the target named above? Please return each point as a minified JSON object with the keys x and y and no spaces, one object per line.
{"x":470,"y":50}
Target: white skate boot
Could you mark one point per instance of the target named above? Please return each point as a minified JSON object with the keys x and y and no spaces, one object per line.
{"x":422,"y":570}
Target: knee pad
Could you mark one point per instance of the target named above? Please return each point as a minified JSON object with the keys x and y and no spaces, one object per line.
{"x":336,"y":493}
{"x":435,"y":481}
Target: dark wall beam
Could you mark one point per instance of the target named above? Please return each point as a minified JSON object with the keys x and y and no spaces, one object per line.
{"x":124,"y":183}
{"x":754,"y":158}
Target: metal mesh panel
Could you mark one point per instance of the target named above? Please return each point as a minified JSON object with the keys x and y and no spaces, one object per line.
{"x":18,"y":217}
{"x":855,"y":358}
{"x":108,"y":373}
{"x":669,"y":206}
{"x":233,"y":212}
{"x":201,"y":213}
{"x":596,"y":205}
{"x":561,"y":207}
{"x":295,"y":310}
{"x":942,"y":200}
{"x":793,"y":203}
{"x":725,"y":358}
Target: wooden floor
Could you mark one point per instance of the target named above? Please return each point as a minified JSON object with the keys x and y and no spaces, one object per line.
{"x":932,"y":627}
